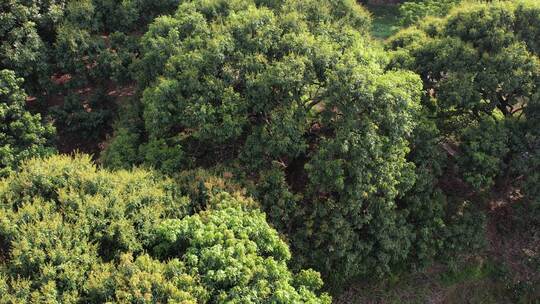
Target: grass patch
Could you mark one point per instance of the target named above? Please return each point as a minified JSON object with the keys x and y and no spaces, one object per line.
{"x":477,"y":281}
{"x":385,"y":20}
{"x":471,"y":271}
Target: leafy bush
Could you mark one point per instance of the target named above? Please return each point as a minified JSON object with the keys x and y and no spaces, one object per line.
{"x":122,"y":150}
{"x":88,"y":119}
{"x":22,"y":49}
{"x":71,"y":233}
{"x":291,"y":94}
{"x":526,"y":165}
{"x":441,"y":225}
{"x":481,"y":70}
{"x":482,"y":153}
{"x":62,"y":48}
{"x":414,"y":11}
{"x":22,"y":134}
{"x":236,"y":255}
{"x":142,"y":280}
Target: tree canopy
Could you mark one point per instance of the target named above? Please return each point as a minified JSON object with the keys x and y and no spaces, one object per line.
{"x":282,"y":89}
{"x":478,"y":81}
{"x":236,"y":143}
{"x":71,"y":233}
{"x":22,"y":134}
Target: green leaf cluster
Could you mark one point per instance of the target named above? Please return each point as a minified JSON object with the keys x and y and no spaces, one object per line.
{"x":293,"y":95}
{"x":414,"y":11}
{"x":481,"y":71}
{"x":72,"y":233}
{"x":22,"y":134}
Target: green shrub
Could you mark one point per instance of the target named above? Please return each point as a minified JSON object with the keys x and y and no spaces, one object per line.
{"x":481,"y":70}
{"x":71,"y":233}
{"x":88,"y":119}
{"x":482,"y":153}
{"x":142,"y":280}
{"x":22,"y":49}
{"x":526,"y":165}
{"x":122,"y":150}
{"x":292,"y":95}
{"x":236,"y":255}
{"x":62,"y":48}
{"x":414,"y":11}
{"x":22,"y":134}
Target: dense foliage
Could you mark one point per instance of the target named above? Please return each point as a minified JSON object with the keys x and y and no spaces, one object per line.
{"x":481,"y":74}
{"x":275,"y":89}
{"x":414,"y":11}
{"x":368,"y":158}
{"x":75,"y":55}
{"x":478,"y":82}
{"x":22,"y":49}
{"x":70,"y":233}
{"x":42,"y":38}
{"x":22,"y":134}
